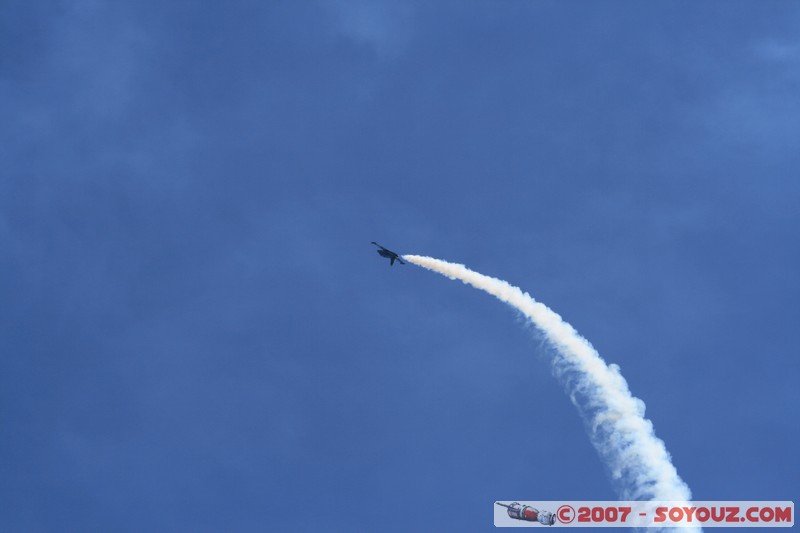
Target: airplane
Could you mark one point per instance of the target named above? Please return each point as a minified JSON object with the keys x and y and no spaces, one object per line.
{"x":384,"y":252}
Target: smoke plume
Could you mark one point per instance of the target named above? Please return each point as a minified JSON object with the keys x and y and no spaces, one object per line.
{"x":638,"y":461}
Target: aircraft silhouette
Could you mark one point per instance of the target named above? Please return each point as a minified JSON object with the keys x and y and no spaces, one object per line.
{"x":385,"y":252}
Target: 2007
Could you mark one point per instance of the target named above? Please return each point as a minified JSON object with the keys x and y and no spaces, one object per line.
{"x":603,"y":514}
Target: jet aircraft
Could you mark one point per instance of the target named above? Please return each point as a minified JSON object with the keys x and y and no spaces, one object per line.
{"x":385,"y":252}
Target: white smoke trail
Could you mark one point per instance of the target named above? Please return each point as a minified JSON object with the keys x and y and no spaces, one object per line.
{"x":639,"y":462}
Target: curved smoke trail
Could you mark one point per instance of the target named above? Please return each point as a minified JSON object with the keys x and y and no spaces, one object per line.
{"x":639,"y":462}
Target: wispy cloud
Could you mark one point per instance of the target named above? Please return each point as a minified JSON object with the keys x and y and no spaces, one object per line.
{"x":777,"y":50}
{"x":387,"y":28}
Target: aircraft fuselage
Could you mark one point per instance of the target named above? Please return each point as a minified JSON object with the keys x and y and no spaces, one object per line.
{"x":390,"y":255}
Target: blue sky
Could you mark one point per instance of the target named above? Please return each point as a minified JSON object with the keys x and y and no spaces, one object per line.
{"x":195,"y":333}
